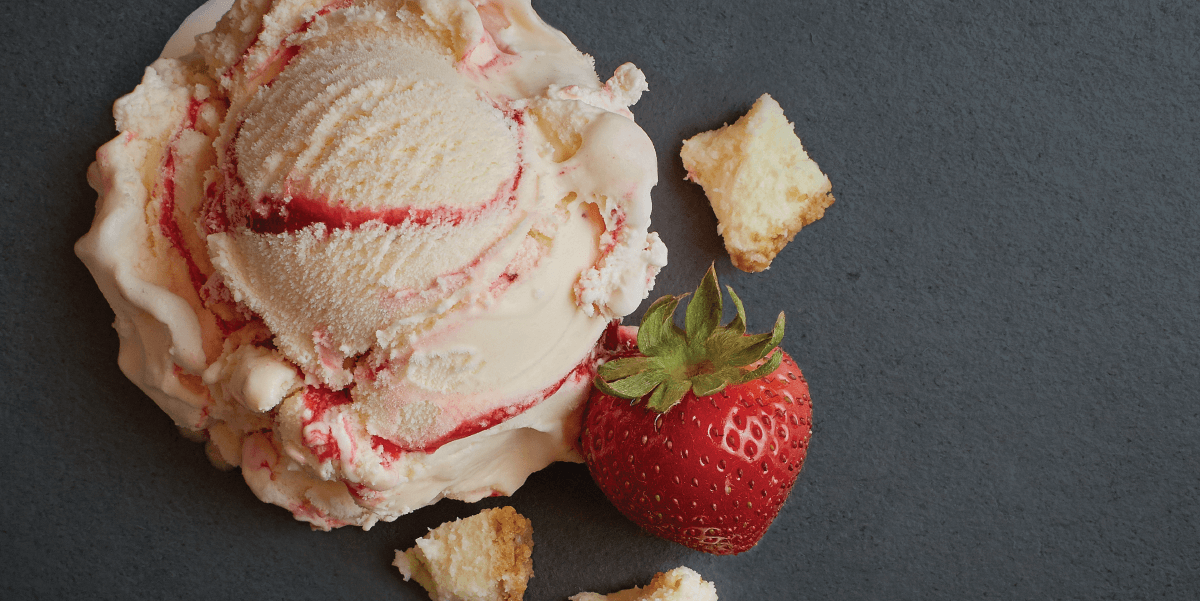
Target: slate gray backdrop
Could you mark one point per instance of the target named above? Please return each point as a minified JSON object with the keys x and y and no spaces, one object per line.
{"x":997,"y":316}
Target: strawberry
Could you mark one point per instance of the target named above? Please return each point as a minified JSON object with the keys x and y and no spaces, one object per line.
{"x":707,"y":451}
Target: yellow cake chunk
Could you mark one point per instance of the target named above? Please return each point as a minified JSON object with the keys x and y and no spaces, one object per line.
{"x":486,"y":557}
{"x":762,"y":184}
{"x":680,"y":584}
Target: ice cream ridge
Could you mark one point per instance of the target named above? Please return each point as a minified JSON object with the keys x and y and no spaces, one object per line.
{"x":367,"y":249}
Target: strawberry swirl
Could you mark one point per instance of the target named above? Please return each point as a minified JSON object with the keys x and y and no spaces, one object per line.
{"x":367,"y":248}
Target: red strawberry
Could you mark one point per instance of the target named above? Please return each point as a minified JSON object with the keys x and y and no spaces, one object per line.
{"x":717,"y":431}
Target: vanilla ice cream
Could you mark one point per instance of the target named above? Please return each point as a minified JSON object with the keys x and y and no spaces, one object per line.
{"x":366,"y":249}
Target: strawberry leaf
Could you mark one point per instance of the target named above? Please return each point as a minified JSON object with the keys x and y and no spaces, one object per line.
{"x":625,"y":367}
{"x":757,"y":346}
{"x":712,"y":383}
{"x":704,"y":310}
{"x":726,"y":347}
{"x":738,"y":325}
{"x":668,"y":395}
{"x":658,"y":329}
{"x":762,"y":370}
{"x":748,"y":349}
{"x":603,"y":386}
{"x":777,"y":331}
{"x":636,"y":385}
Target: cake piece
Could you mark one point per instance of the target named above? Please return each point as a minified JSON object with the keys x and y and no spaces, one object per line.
{"x":486,"y":557}
{"x":762,"y":185}
{"x":680,"y":584}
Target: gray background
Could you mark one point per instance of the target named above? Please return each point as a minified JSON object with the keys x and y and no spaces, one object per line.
{"x":997,"y":316}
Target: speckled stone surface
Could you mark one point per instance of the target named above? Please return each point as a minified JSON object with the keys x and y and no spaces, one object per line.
{"x":998,"y":316}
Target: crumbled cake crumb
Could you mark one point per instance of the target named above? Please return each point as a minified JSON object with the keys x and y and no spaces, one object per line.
{"x":486,"y":557}
{"x":680,"y":584}
{"x":761,"y":183}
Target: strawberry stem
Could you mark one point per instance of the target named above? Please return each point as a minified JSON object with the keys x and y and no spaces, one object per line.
{"x":703,"y":357}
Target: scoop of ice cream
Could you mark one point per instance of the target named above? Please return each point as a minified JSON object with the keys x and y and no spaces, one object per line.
{"x":368,"y":248}
{"x":369,"y":190}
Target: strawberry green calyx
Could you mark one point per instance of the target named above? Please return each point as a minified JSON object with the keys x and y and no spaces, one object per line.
{"x":704,"y":357}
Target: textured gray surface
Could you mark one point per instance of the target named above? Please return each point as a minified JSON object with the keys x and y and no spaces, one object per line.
{"x":997,"y":317}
